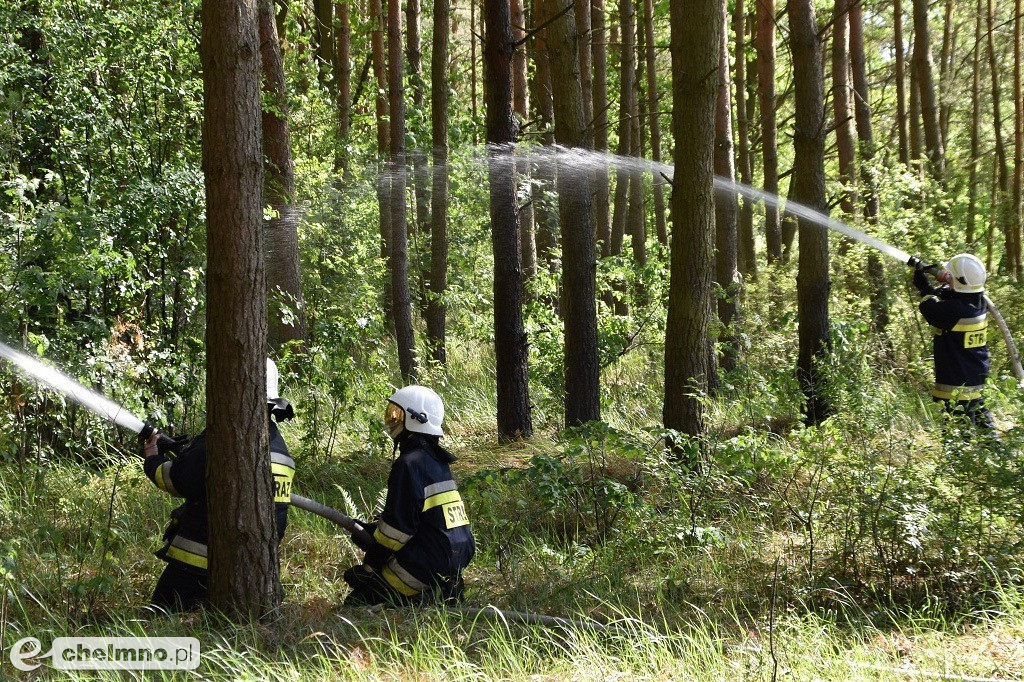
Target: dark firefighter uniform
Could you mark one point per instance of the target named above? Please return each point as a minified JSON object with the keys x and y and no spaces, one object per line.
{"x":419,"y":546}
{"x":183,"y":582}
{"x":959,"y":324}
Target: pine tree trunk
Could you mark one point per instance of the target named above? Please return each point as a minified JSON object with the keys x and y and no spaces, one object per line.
{"x":865,"y":134}
{"x":637,"y":214}
{"x":1014,"y":233}
{"x":842,"y":96}
{"x":401,"y":300}
{"x":809,"y":189}
{"x":323,"y":17}
{"x":696,"y":33}
{"x":521,"y":106}
{"x":924,"y":67}
{"x":765,"y":45}
{"x":1000,"y":213}
{"x":383,"y":146}
{"x":414,"y":47}
{"x":287,"y":314}
{"x":576,"y":218}
{"x":972,"y":182}
{"x":509,"y":335}
{"x":602,"y":185}
{"x":343,"y":76}
{"x":244,"y":575}
{"x":436,"y":309}
{"x":902,"y":128}
{"x":581,"y":12}
{"x":949,"y":35}
{"x":472,"y":62}
{"x":654,"y":122}
{"x":747,"y":255}
{"x":627,"y":79}
{"x":916,"y":151}
{"x":725,"y":202}
{"x":546,"y":209}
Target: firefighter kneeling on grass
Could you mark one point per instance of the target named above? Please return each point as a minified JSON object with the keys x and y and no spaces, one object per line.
{"x":957,"y":314}
{"x":417,"y":549}
{"x":183,"y":584}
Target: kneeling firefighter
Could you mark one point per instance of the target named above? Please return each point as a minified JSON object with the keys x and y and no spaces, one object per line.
{"x":957,"y":313}
{"x":418,"y":547}
{"x":183,"y":584}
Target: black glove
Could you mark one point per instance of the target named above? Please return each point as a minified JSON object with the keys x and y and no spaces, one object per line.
{"x":921,"y":282}
{"x":364,"y":538}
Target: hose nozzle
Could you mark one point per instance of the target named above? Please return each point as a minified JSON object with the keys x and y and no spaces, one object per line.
{"x":933,"y":269}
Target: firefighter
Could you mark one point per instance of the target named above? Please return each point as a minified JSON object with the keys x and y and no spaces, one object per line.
{"x":418,"y":547}
{"x":183,"y":584}
{"x":957,"y":313}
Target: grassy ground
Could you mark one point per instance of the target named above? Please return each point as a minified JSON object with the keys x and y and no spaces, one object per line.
{"x":884,"y":545}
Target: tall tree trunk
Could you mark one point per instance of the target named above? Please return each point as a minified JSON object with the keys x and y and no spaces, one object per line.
{"x":765,"y":44}
{"x":865,"y":134}
{"x":949,"y":35}
{"x":602,"y":185}
{"x":576,"y":218}
{"x":472,"y":62}
{"x":747,"y":256}
{"x":627,"y":79}
{"x":696,"y":33}
{"x":509,"y":334}
{"x":243,"y":562}
{"x":637,"y":214}
{"x":842,"y":97}
{"x":654,"y":123}
{"x":972,"y":183}
{"x":902,"y":128}
{"x":1013,"y":260}
{"x":323,"y":16}
{"x":809,"y":189}
{"x":343,"y":76}
{"x":414,"y":48}
{"x":725,"y":202}
{"x":287,"y":314}
{"x":521,"y":106}
{"x":545,"y":211}
{"x":916,"y":151}
{"x":383,"y":145}
{"x":929,"y":99}
{"x":401,"y":300}
{"x":1000,"y":213}
{"x":436,"y":309}
{"x":581,"y":11}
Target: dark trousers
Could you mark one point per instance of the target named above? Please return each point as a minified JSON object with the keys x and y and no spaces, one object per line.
{"x":179,"y":589}
{"x":974,"y":410}
{"x":369,"y":588}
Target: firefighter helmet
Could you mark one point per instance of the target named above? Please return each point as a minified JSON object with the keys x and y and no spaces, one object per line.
{"x":414,"y":408}
{"x":966,"y":273}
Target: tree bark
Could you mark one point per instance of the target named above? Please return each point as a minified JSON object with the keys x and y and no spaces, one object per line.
{"x":747,"y":257}
{"x":765,"y":10}
{"x":521,"y":106}
{"x":323,"y":16}
{"x":627,"y":79}
{"x":902,"y":129}
{"x":602,"y":185}
{"x":414,"y":49}
{"x":472,"y":62}
{"x":865,"y":134}
{"x":725,"y":202}
{"x":972,"y":182}
{"x":696,"y":33}
{"x":1014,"y":236}
{"x":243,"y":559}
{"x":545,"y":210}
{"x":581,"y":11}
{"x":916,"y":147}
{"x":383,"y":146}
{"x":436,"y":309}
{"x":287,"y":314}
{"x":1000,"y":215}
{"x":401,"y":300}
{"x":343,"y":76}
{"x":576,"y":219}
{"x":636,"y":214}
{"x":808,"y":188}
{"x":929,"y":100}
{"x":509,"y":334}
{"x":842,"y":97}
{"x":949,"y":35}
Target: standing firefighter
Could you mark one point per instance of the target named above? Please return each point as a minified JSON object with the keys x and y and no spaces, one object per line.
{"x":957,"y":312}
{"x":418,"y":547}
{"x":182,"y":586}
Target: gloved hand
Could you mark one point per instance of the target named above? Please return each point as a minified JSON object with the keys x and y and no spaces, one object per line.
{"x":921,"y":282}
{"x":364,"y":538}
{"x":149,"y":448}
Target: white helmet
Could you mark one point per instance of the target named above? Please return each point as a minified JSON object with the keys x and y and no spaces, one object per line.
{"x":966,"y":273}
{"x":272,"y":377}
{"x":414,"y":408}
